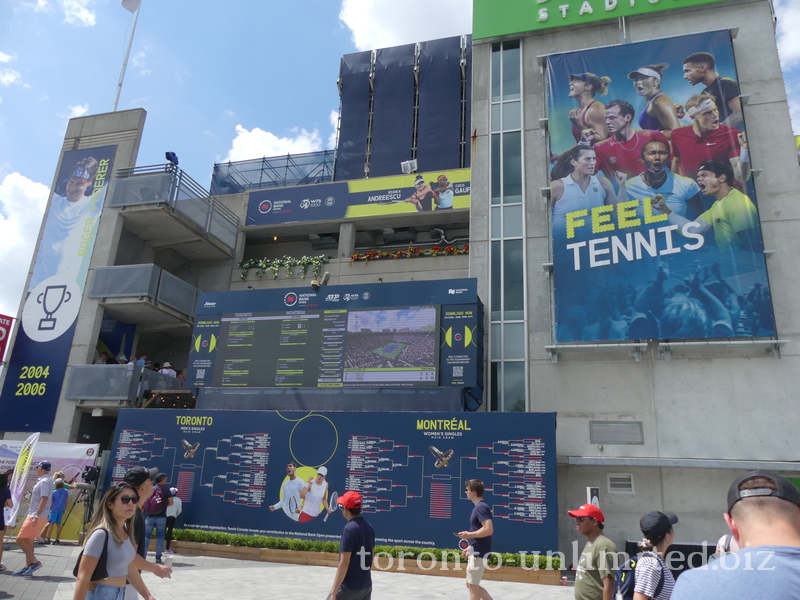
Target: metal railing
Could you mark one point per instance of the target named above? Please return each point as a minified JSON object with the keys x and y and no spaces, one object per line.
{"x":148,"y":281}
{"x":271,"y":172}
{"x":157,"y":184}
{"x":124,"y":384}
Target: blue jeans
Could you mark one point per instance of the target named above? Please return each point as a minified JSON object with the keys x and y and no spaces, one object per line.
{"x":160,"y":525}
{"x":102,"y":591}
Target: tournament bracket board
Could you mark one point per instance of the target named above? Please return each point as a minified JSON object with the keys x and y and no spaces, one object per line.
{"x":412,"y":495}
{"x":407,"y":334}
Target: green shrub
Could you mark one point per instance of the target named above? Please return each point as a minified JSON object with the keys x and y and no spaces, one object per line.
{"x":409,"y":552}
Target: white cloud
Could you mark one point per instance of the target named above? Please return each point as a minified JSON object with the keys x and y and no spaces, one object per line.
{"x":788,"y":13}
{"x":258,"y":143}
{"x":22,"y":203}
{"x":9,"y":76}
{"x":76,"y":12}
{"x":334,"y":118}
{"x":138,"y":62}
{"x":77,"y":111}
{"x":5,"y":58}
{"x":385,"y":23}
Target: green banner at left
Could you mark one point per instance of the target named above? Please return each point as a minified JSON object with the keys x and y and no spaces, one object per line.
{"x":491,"y":18}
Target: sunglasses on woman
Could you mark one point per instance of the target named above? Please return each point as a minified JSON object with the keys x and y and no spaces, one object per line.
{"x":129,"y":499}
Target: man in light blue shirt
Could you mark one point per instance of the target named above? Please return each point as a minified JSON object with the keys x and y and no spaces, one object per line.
{"x":764,"y":517}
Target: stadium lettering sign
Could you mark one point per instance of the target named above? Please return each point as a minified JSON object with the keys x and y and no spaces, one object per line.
{"x":492,"y":18}
{"x":443,"y":424}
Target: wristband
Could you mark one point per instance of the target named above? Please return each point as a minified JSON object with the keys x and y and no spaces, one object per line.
{"x":744,"y":155}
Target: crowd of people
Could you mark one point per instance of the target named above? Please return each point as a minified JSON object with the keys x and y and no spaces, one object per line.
{"x":364,"y":350}
{"x":759,"y":559}
{"x":700,"y":303}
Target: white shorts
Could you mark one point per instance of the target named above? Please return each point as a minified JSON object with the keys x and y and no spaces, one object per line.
{"x":476,"y":565}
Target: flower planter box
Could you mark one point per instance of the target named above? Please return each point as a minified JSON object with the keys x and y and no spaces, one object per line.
{"x":382,"y":563}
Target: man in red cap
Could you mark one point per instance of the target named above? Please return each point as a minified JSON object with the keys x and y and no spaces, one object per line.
{"x":594,"y":577}
{"x":353,"y":578}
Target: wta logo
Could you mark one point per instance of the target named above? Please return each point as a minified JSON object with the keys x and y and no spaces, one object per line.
{"x":265,"y":207}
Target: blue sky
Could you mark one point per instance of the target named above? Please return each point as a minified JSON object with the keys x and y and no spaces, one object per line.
{"x":220,"y":81}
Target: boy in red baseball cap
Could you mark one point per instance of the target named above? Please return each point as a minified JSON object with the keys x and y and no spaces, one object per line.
{"x":594,"y":576}
{"x":353,"y":578}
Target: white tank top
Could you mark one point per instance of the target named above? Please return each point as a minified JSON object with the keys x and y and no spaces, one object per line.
{"x":574,"y":198}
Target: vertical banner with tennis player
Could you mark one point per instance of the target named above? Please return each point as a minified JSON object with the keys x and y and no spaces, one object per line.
{"x":655,"y":227}
{"x":41,"y":349}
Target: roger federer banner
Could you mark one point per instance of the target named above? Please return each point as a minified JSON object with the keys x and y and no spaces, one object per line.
{"x":41,"y":349}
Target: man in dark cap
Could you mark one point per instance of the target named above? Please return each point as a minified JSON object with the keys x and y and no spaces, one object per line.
{"x":764,"y":518}
{"x":142,"y":479}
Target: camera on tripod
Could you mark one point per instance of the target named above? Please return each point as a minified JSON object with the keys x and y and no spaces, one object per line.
{"x":90,"y":474}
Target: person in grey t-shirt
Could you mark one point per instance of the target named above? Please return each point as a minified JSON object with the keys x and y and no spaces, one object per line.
{"x":764,"y":518}
{"x":37,"y":517}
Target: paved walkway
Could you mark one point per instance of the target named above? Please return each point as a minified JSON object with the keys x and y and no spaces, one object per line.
{"x":207,"y":578}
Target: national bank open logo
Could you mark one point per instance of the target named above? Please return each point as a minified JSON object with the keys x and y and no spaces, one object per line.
{"x":290,"y":299}
{"x":265,"y":207}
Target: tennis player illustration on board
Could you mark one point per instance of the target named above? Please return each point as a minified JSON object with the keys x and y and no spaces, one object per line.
{"x":290,"y":493}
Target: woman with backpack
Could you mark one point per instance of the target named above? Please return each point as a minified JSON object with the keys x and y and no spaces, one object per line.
{"x":653,"y":577}
{"x":108,"y":554}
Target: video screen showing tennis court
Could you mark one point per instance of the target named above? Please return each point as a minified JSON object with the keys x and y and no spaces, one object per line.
{"x":392,"y":346}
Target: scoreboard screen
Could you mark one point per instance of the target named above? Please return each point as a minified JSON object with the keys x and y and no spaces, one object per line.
{"x":342,"y":347}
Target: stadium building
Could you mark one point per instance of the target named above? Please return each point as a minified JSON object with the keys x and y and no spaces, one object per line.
{"x":665,"y":347}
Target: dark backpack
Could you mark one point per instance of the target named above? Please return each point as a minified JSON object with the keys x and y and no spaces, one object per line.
{"x":625,"y":579}
{"x":155,"y":503}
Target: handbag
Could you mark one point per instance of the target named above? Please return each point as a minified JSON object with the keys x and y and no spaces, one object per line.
{"x":100,"y":571}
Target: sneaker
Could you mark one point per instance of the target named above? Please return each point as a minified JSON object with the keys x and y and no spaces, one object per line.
{"x":159,"y":562}
{"x":56,"y":542}
{"x":2,"y":567}
{"x":21,"y":572}
{"x":168,"y":551}
{"x":32,"y":569}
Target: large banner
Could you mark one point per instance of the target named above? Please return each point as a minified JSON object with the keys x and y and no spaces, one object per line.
{"x":272,"y":473}
{"x":69,"y":459}
{"x":492,"y":18}
{"x":379,"y":196}
{"x":406,"y":334}
{"x":41,"y":349}
{"x":655,"y":229}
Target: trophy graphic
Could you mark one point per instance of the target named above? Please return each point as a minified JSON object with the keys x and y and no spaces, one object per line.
{"x":51,"y":300}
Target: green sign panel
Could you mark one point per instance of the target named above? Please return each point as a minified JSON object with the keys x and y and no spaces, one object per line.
{"x":492,"y":18}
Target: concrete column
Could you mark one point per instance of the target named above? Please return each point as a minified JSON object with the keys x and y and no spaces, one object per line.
{"x":347,"y":239}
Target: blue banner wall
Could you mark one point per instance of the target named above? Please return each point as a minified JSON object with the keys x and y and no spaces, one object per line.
{"x":41,"y":349}
{"x":678,"y":254}
{"x":354,"y":118}
{"x":230,"y":471}
{"x":438,"y":141}
{"x":393,"y":118}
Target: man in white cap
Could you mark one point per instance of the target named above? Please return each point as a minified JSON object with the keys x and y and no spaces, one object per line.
{"x":315,"y":496}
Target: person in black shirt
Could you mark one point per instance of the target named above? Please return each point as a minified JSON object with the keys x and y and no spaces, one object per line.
{"x":699,"y":68}
{"x":353,"y":578}
{"x":142,"y":479}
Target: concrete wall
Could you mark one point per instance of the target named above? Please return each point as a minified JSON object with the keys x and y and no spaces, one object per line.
{"x":714,"y":402}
